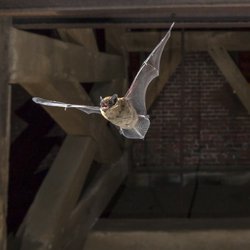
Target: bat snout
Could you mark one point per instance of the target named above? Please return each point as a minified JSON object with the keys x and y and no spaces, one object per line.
{"x":104,"y":106}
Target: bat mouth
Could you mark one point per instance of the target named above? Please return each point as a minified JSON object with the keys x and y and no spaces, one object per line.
{"x":104,"y":106}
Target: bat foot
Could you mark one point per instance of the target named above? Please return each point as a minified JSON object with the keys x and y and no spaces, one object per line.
{"x":144,"y":116}
{"x":139,"y":130}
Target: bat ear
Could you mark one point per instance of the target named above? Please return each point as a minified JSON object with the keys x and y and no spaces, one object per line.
{"x":101,"y":98}
{"x":114,"y":98}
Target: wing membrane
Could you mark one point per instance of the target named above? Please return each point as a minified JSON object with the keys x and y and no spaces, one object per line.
{"x":84,"y":108}
{"x":148,"y":71}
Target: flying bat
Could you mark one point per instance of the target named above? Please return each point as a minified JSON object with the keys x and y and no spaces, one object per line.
{"x":128,"y":113}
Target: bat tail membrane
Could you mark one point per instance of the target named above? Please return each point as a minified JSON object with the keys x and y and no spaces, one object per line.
{"x":140,"y":129}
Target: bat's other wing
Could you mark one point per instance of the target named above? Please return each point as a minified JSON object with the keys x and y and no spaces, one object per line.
{"x":139,"y":130}
{"x":148,"y":71}
{"x":84,"y":108}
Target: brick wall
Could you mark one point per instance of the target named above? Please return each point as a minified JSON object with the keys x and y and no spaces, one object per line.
{"x":196,"y":122}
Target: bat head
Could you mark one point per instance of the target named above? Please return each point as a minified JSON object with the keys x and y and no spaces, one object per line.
{"x":108,"y":102}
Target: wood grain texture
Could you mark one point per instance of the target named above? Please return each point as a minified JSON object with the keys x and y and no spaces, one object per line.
{"x":84,"y":37}
{"x":194,"y":40}
{"x":37,"y":58}
{"x":161,"y":234}
{"x":45,"y":222}
{"x":5,"y":101}
{"x":41,"y":64}
{"x":93,"y":202}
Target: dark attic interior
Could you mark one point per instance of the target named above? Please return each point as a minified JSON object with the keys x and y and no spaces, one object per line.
{"x":70,"y":181}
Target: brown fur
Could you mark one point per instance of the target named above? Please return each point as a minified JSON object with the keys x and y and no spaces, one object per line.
{"x":121,"y":114}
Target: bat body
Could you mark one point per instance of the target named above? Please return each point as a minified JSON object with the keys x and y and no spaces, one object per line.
{"x":122,"y":114}
{"x":129,"y":112}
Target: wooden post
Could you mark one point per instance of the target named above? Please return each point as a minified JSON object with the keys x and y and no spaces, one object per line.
{"x":5,"y":24}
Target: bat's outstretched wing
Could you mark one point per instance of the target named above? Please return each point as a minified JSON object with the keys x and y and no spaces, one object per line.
{"x":84,"y":108}
{"x":148,"y":71}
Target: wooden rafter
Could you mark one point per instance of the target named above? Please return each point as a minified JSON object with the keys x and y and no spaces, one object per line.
{"x":56,"y":58}
{"x":130,"y":13}
{"x":232,"y":73}
{"x":55,"y":226}
{"x":55,"y":200}
{"x":147,"y":234}
{"x":72,"y":121}
{"x":115,"y":45}
{"x":37,"y":58}
{"x":5,"y":95}
{"x":63,"y":184}
{"x":75,"y":122}
{"x":84,"y":37}
{"x":93,"y":202}
{"x":194,"y":40}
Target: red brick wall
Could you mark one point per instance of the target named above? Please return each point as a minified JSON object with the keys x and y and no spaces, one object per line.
{"x":196,"y":121}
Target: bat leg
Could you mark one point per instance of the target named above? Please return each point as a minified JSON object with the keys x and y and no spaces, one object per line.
{"x":139,"y":130}
{"x":120,"y":130}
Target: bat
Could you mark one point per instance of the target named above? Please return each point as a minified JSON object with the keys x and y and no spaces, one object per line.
{"x":128,"y":113}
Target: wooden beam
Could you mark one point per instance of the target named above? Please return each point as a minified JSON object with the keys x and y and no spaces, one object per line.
{"x":72,"y":121}
{"x":93,"y":202}
{"x":82,"y":23}
{"x":194,"y":40}
{"x":75,"y":122}
{"x":45,"y":222}
{"x":130,"y":12}
{"x":232,"y":73}
{"x":114,"y":44}
{"x":98,"y":129}
{"x":84,"y":37}
{"x":181,"y":234}
{"x":38,"y":58}
{"x":5,"y":102}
